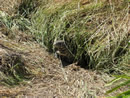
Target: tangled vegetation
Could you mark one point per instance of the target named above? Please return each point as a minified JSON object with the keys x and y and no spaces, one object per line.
{"x":96,"y":33}
{"x":12,"y":70}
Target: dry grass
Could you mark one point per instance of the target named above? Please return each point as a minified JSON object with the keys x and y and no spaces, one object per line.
{"x":50,"y":79}
{"x":9,"y":6}
{"x":101,"y":25}
{"x":53,"y":80}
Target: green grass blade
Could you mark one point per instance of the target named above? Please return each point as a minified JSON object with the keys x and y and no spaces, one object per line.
{"x":126,"y":94}
{"x":122,"y":76}
{"x":114,"y":80}
{"x":118,"y":86}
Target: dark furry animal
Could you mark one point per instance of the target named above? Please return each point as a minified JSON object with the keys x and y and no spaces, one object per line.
{"x":63,"y":52}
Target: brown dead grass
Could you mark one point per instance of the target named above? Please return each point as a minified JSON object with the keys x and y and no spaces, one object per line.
{"x":9,"y":6}
{"x":52,"y":80}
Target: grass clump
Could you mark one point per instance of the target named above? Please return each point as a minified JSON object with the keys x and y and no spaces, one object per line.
{"x":26,"y":7}
{"x":10,"y":25}
{"x":12,"y":67}
{"x":13,"y":70}
{"x":96,"y":33}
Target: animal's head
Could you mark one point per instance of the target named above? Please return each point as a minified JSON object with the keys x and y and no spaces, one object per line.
{"x":57,"y":45}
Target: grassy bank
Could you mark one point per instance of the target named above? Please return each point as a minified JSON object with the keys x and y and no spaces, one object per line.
{"x":96,"y":33}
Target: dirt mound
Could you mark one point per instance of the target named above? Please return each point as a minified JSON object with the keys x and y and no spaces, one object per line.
{"x":51,"y":79}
